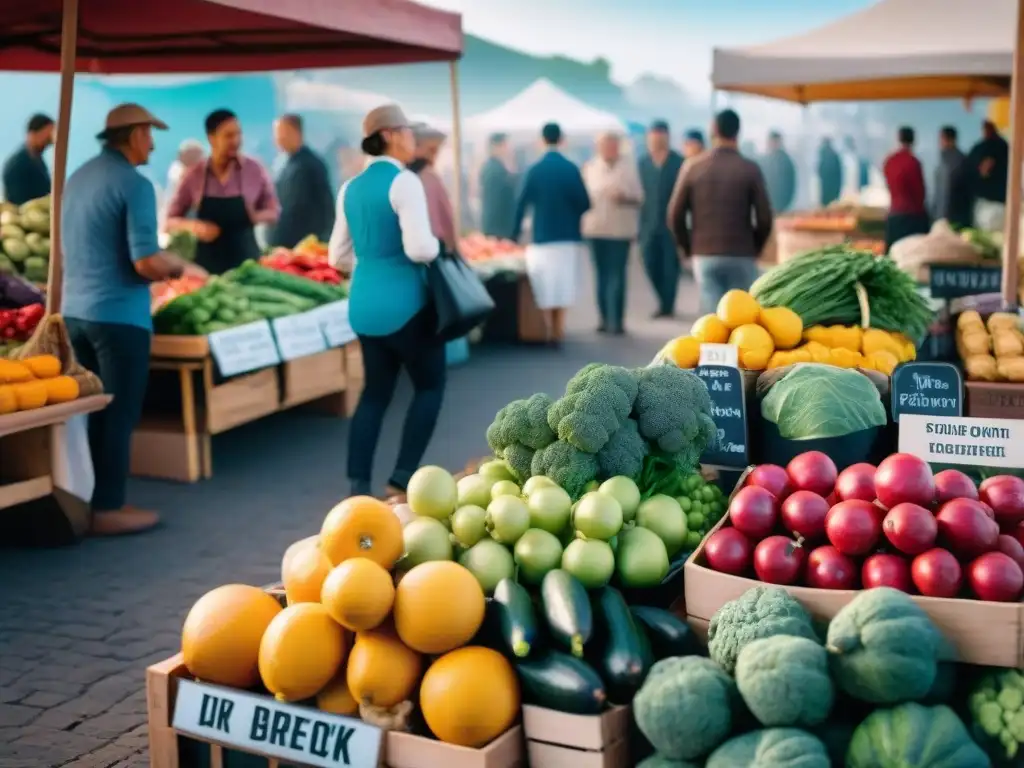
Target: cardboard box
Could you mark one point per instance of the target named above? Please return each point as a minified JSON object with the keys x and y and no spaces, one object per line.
{"x":561,"y":740}
{"x":405,"y":750}
{"x":241,"y":400}
{"x":994,"y":400}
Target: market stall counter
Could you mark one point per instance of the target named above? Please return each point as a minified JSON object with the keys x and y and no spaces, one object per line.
{"x":803,"y":231}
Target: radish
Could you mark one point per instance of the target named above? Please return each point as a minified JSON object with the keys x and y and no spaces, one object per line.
{"x":778,"y":560}
{"x":936,"y":573}
{"x":856,"y":482}
{"x":965,"y":529}
{"x":910,"y":528}
{"x":853,"y":527}
{"x":883,"y":570}
{"x":803,"y":514}
{"x":996,"y":577}
{"x":903,"y":477}
{"x":812,"y":471}
{"x":728,"y":551}
{"x":753,"y":511}
{"x":772,"y":478}
{"x":828,"y":568}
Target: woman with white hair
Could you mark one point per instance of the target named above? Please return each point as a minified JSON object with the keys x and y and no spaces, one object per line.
{"x":442,"y":220}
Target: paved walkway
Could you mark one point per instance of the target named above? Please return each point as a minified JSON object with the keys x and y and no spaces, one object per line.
{"x":79,"y":625}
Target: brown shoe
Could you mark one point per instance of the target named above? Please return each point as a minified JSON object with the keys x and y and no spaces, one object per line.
{"x":122,"y":522}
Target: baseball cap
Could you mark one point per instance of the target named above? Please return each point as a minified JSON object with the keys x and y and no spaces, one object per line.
{"x":129,"y":115}
{"x":659,"y":126}
{"x":384,"y":117}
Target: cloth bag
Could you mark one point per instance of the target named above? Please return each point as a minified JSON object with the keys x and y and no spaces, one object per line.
{"x":459,"y":297}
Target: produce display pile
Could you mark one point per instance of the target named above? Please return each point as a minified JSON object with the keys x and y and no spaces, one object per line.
{"x":489,"y":256}
{"x":18,"y":325}
{"x":895,"y":525}
{"x":246,"y":294}
{"x":167,"y":290}
{"x":25,"y":239}
{"x":308,"y":259}
{"x":821,"y":287}
{"x":775,"y":337}
{"x":991,"y":349}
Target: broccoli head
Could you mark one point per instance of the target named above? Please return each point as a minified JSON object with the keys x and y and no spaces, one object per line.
{"x":624,"y":453}
{"x":523,"y":422}
{"x":568,"y":466}
{"x":519,"y":458}
{"x":673,"y":410}
{"x":597,"y":401}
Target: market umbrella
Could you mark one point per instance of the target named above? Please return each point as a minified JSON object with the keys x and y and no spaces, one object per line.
{"x":140,"y":37}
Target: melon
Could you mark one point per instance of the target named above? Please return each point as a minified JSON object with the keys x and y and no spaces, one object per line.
{"x":303,"y":571}
{"x":362,"y":526}
{"x":382,"y":671}
{"x":220,"y":640}
{"x":358,"y":594}
{"x":439,"y":606}
{"x":336,"y":698}
{"x":301,"y":651}
{"x":470,"y":696}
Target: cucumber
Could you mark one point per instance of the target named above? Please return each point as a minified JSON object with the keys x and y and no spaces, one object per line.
{"x":567,"y":610}
{"x":669,"y":635}
{"x":517,"y":622}
{"x":619,"y":655}
{"x":558,"y":681}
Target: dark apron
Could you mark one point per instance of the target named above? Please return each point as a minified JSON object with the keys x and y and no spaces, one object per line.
{"x":900,"y":225}
{"x":237,"y":241}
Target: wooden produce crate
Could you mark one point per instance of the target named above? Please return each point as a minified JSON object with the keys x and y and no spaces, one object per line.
{"x":406,"y":750}
{"x":560,"y":740}
{"x":994,"y":400}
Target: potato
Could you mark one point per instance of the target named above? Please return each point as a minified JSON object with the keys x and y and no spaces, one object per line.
{"x":1011,"y":368}
{"x":975,"y":343}
{"x":968,"y":319}
{"x":1002,"y":320}
{"x":981,"y":368}
{"x":1006,"y":343}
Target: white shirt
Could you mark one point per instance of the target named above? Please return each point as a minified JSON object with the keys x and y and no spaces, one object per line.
{"x":408,"y":201}
{"x":607,"y":217}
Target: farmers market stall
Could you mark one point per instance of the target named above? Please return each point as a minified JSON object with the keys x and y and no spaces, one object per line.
{"x":799,"y":232}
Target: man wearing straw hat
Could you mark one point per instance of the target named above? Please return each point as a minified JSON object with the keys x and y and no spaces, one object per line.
{"x":111,"y":255}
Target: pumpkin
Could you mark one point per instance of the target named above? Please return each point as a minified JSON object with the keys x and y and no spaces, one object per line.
{"x":60,"y":389}
{"x":470,"y":696}
{"x":43,"y":366}
{"x":301,"y":651}
{"x":708,"y":329}
{"x":783,"y":325}
{"x":754,"y":346}
{"x":29,"y":395}
{"x":738,"y":308}
{"x":884,"y":648}
{"x":771,"y":748}
{"x":358,"y":594}
{"x":362,"y":526}
{"x":336,"y":698}
{"x":914,"y":736}
{"x":8,"y":402}
{"x":685,"y":707}
{"x":303,"y":572}
{"x":439,"y":606}
{"x":13,"y":372}
{"x":382,"y":671}
{"x":784,"y":680}
{"x":220,"y":641}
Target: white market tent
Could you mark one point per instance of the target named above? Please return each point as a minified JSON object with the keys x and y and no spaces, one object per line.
{"x":543,"y":102}
{"x":301,"y":95}
{"x":895,"y":49}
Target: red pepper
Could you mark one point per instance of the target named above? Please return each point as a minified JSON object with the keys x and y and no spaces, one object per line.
{"x":7,"y":317}
{"x":28,"y":317}
{"x":9,"y":332}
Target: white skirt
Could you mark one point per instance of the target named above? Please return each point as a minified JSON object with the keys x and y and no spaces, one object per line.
{"x":554,"y":270}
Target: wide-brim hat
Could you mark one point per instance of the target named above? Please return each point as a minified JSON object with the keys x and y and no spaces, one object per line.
{"x":383,"y":118}
{"x":129,"y":116}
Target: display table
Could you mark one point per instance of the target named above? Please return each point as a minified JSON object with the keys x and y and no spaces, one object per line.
{"x":34,"y":471}
{"x":188,"y":403}
{"x":797,"y":233}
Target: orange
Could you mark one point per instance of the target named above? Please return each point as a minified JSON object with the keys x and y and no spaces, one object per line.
{"x":754,"y":346}
{"x":336,"y":698}
{"x":709,"y":330}
{"x":303,"y":571}
{"x":684,"y":351}
{"x":738,"y":308}
{"x":358,"y":594}
{"x":362,"y":526}
{"x":301,"y":652}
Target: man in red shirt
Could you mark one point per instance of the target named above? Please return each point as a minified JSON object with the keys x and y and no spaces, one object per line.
{"x":905,"y":179}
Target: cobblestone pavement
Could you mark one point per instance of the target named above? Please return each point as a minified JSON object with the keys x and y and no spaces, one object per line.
{"x":79,"y":625}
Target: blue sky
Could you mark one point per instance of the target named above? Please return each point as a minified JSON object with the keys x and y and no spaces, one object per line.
{"x":666,"y":37}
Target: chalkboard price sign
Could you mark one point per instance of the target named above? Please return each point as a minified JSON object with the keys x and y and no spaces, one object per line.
{"x":951,"y":281}
{"x":729,"y":410}
{"x":927,"y":389}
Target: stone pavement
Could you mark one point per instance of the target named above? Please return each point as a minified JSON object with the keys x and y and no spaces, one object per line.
{"x":79,"y":625}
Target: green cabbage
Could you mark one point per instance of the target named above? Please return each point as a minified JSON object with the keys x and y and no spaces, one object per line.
{"x":818,"y":401}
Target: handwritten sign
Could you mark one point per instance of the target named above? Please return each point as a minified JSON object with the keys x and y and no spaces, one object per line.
{"x":951,"y":281}
{"x":927,"y":389}
{"x":719,"y":354}
{"x":300,"y":735}
{"x":729,"y":410}
{"x":299,"y":335}
{"x":334,"y":323}
{"x":952,"y":440}
{"x":244,"y":348}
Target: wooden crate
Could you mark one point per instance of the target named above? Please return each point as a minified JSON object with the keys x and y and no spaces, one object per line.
{"x":560,"y":740}
{"x":305,"y":379}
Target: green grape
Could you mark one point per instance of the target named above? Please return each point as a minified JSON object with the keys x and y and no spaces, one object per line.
{"x":695,"y":520}
{"x":693,"y":539}
{"x":685,"y":503}
{"x":707,"y":494}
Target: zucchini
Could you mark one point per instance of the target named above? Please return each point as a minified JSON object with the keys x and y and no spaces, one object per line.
{"x":669,"y":635}
{"x":517,"y":622}
{"x":566,"y":610}
{"x":619,"y":656}
{"x":558,"y":681}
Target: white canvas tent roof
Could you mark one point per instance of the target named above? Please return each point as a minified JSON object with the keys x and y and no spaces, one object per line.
{"x":302,"y":95}
{"x":539,"y":103}
{"x":895,"y":49}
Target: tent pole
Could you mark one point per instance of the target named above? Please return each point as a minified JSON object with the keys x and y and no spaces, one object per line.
{"x":453,"y":71}
{"x":1011,"y":252}
{"x":68,"y":55}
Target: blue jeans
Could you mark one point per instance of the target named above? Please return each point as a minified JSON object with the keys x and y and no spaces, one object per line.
{"x":610,"y":257}
{"x":661,"y":262}
{"x":717,"y":275}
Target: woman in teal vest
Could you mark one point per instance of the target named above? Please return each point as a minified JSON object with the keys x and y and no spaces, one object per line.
{"x":382,"y":234}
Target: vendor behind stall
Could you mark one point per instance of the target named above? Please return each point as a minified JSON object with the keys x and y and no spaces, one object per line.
{"x":303,"y":188}
{"x":111,"y":255}
{"x":223,"y":200}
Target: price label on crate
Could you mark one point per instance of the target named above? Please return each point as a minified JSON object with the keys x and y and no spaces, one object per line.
{"x":951,"y":281}
{"x":299,"y":335}
{"x":334,"y":323}
{"x":729,"y":411}
{"x":259,"y":724}
{"x":244,"y":348}
{"x":927,"y":389}
{"x":719,"y":354}
{"x":953,"y":440}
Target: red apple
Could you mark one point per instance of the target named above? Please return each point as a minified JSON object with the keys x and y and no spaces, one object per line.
{"x":903,"y":477}
{"x":772,"y":478}
{"x":996,"y":577}
{"x":910,"y":528}
{"x":728,"y":551}
{"x":828,"y":568}
{"x":954,"y":484}
{"x":936,"y":573}
{"x":853,"y":527}
{"x":1005,"y":494}
{"x":1008,"y":545}
{"x":856,"y":482}
{"x":884,"y":570}
{"x":753,"y":511}
{"x":965,"y":529}
{"x":778,"y":560}
{"x":803,"y":514}
{"x":812,"y":471}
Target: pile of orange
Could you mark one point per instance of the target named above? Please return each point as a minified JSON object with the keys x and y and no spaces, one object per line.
{"x":34,"y":382}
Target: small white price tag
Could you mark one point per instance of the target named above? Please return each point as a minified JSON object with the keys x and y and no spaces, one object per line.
{"x":244,"y":348}
{"x":334,"y":323}
{"x":958,"y":440}
{"x":719,"y":354}
{"x":300,"y":735}
{"x":299,"y":335}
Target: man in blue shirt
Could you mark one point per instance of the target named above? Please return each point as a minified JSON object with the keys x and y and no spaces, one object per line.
{"x":659,"y":169}
{"x":25,"y":174}
{"x":111,"y":255}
